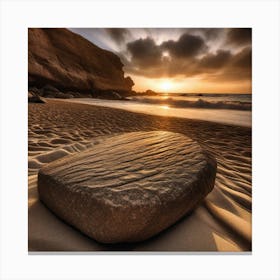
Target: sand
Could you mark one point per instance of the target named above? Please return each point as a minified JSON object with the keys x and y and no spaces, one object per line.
{"x":221,"y":223}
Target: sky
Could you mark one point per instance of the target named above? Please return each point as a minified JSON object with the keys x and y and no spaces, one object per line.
{"x":198,"y":60}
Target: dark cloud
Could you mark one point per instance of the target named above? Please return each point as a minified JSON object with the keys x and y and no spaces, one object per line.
{"x":243,"y":59}
{"x":238,"y":68}
{"x":220,"y":66}
{"x":217,"y":60}
{"x":144,"y":52}
{"x":187,"y":46}
{"x":212,"y":33}
{"x":239,"y":36}
{"x":118,"y":34}
{"x":189,"y":56}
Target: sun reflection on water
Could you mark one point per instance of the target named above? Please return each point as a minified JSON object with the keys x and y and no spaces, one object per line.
{"x":165,"y":96}
{"x":164,"y":107}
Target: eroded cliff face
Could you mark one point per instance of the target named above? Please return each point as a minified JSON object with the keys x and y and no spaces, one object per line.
{"x":62,"y":59}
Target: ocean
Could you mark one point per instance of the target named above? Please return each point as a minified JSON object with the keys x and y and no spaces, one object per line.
{"x":233,"y":109}
{"x":188,"y":100}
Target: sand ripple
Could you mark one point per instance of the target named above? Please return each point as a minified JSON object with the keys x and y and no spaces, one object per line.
{"x":222,"y":222}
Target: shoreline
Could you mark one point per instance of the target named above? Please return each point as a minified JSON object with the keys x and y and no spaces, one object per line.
{"x":220,"y":116}
{"x":58,"y":128}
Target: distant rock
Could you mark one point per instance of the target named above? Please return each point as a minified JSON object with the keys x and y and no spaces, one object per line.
{"x":129,"y":82}
{"x":35,"y":98}
{"x":62,"y":60}
{"x":108,"y":94}
{"x":129,"y":187}
{"x":150,"y":92}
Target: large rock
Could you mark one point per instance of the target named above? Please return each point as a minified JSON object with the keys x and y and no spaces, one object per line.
{"x":130,"y":187}
{"x":67,"y":61}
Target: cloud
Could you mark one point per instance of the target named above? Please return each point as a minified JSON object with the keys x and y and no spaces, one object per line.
{"x":169,"y":58}
{"x":187,"y":46}
{"x":217,"y":60}
{"x":238,"y":68}
{"x":219,"y":66}
{"x":189,"y":56}
{"x":225,"y":66}
{"x":144,"y":52}
{"x":243,"y":59}
{"x":119,"y":35}
{"x":212,"y":33}
{"x":239,"y":36}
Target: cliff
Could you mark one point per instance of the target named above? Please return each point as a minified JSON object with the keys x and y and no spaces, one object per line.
{"x":66,"y":61}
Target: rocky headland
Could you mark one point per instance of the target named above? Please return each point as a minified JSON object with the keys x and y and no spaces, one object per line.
{"x":62,"y":64}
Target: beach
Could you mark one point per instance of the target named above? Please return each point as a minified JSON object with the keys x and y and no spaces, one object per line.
{"x":221,"y":223}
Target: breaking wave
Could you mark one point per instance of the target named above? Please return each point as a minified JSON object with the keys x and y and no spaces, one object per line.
{"x":200,"y":103}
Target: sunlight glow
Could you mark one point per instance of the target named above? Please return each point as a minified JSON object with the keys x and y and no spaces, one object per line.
{"x":190,"y":84}
{"x":166,"y":107}
{"x":166,"y":85}
{"x":165,"y":96}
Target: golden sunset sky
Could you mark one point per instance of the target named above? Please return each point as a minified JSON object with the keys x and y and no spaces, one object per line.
{"x":198,"y":60}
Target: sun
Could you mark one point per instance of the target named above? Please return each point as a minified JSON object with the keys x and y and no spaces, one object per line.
{"x":166,"y":86}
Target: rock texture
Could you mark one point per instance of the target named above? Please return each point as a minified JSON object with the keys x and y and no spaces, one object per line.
{"x":68,"y":62}
{"x":130,"y":187}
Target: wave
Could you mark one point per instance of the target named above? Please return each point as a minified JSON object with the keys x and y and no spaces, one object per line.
{"x":200,"y":103}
